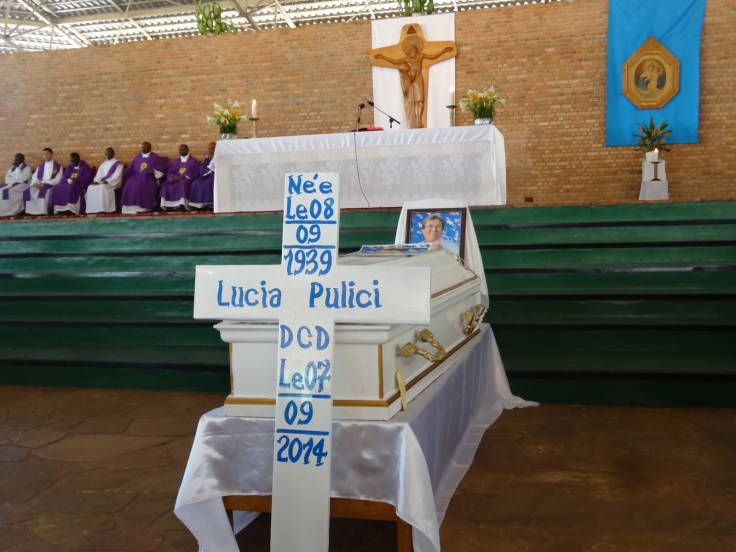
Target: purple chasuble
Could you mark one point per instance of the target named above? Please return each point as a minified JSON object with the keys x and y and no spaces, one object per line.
{"x":65,"y":192}
{"x":174,"y":190}
{"x":203,"y":188}
{"x":141,"y":187}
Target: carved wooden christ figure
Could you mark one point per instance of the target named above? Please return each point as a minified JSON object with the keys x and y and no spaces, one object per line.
{"x":412,"y":56}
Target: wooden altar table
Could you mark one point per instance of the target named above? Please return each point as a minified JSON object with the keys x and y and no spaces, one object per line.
{"x":377,"y":169}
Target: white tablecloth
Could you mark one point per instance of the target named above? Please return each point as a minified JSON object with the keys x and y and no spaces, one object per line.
{"x":414,"y":461}
{"x":377,"y":168}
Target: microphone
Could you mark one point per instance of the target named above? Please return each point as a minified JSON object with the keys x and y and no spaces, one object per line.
{"x":391,"y":120}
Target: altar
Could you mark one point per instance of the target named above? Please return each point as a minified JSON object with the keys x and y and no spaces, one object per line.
{"x":377,"y":168}
{"x":413,"y":462}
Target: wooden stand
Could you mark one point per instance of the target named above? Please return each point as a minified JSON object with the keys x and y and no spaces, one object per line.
{"x":339,"y":507}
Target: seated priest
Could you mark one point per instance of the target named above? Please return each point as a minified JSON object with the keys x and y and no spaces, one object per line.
{"x":175,"y":191}
{"x":69,"y":192}
{"x":39,"y":195}
{"x":17,"y":180}
{"x":140,"y":191}
{"x":201,"y":191}
{"x":101,"y":192}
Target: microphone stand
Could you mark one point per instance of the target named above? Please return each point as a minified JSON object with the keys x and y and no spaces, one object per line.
{"x":360,"y":110}
{"x":391,"y":120}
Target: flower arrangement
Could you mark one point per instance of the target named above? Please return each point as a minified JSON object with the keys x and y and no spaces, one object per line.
{"x":481,"y":103}
{"x":226,"y":117}
{"x":651,"y":136}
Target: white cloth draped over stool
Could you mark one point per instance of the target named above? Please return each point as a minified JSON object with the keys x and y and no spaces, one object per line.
{"x":413,"y":461}
{"x":653,"y":189}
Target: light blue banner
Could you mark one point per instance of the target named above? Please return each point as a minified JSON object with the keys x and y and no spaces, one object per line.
{"x":676,"y":24}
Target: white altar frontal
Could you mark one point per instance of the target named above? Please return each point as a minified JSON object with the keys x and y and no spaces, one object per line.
{"x":377,"y":168}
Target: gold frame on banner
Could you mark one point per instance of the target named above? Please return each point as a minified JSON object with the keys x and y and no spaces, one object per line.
{"x":651,"y":76}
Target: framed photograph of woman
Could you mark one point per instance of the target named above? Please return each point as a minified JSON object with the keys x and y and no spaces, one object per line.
{"x":443,"y":228}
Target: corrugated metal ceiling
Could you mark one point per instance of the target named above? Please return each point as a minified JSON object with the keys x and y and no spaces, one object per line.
{"x":34,"y":25}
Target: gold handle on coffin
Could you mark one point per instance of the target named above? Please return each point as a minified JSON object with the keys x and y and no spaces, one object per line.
{"x":425,"y":336}
{"x":472,"y":317}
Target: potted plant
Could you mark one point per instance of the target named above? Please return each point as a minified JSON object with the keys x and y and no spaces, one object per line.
{"x":209,"y":20}
{"x":226,"y":118}
{"x":651,"y":138}
{"x":482,"y":104}
{"x":409,"y":7}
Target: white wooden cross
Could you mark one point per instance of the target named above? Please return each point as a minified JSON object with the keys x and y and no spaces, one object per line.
{"x":307,"y":294}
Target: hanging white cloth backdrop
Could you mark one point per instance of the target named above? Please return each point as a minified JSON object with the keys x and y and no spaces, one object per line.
{"x":387,"y":93}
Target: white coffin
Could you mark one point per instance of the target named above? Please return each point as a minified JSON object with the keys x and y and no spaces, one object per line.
{"x":367,"y":359}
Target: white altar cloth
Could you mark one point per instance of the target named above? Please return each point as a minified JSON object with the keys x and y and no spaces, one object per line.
{"x":377,"y":168}
{"x":414,"y":461}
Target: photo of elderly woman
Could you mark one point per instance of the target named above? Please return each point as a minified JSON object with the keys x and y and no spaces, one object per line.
{"x":441,"y":229}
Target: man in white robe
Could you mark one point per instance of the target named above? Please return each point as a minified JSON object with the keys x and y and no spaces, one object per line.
{"x":101,"y":193}
{"x":47,"y":175}
{"x":17,"y":180}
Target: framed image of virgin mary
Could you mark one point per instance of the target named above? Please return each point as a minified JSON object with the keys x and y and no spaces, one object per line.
{"x":651,"y":76}
{"x":442,"y":228}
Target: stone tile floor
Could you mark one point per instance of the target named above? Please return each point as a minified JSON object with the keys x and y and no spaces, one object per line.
{"x":99,"y":470}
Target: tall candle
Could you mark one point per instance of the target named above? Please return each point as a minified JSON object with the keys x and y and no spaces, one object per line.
{"x":452,"y":96}
{"x":253,"y":110}
{"x":656,"y":154}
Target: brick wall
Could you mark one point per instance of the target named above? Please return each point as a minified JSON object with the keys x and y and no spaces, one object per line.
{"x":547,"y":60}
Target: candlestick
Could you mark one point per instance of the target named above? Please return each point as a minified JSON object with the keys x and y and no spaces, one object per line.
{"x":253,"y":110}
{"x":452,"y":114}
{"x":255,"y":127}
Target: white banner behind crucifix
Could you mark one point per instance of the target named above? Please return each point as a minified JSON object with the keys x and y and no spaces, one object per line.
{"x":307,"y":294}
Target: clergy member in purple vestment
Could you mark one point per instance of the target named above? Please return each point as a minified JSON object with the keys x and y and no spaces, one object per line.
{"x":140,"y":190}
{"x":175,"y":191}
{"x":17,"y":180}
{"x":48,"y":174}
{"x":101,"y":192}
{"x":69,"y":192}
{"x":201,"y":192}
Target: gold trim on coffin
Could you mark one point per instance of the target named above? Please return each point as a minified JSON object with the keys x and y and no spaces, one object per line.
{"x":459,"y":284}
{"x":366,"y":403}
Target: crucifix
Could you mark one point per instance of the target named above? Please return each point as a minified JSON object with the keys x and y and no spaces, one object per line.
{"x":307,"y":293}
{"x":412,"y":55}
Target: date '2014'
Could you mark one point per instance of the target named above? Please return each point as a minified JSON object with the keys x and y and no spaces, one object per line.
{"x":294,"y":450}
